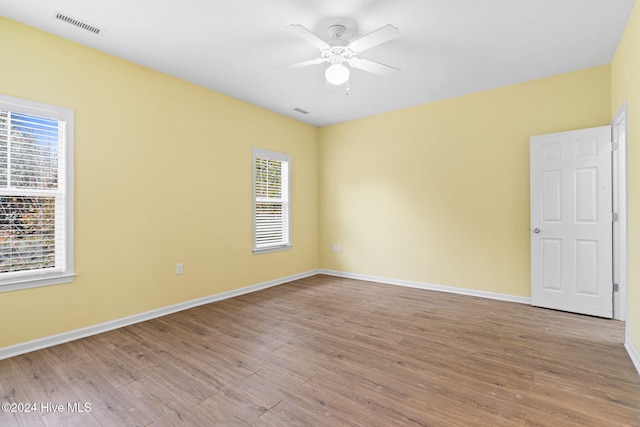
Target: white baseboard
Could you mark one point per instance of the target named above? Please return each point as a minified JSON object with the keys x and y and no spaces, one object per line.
{"x":428,"y":286}
{"x":633,"y":353}
{"x":50,"y":341}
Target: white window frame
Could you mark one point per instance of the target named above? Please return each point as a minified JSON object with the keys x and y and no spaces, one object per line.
{"x":286,"y":202}
{"x":64,"y":273}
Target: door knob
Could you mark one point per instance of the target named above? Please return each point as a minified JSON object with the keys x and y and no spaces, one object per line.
{"x":536,"y":230}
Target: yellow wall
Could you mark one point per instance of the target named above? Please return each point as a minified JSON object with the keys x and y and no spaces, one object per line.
{"x":439,"y":193}
{"x":162,"y":175}
{"x":625,"y":84}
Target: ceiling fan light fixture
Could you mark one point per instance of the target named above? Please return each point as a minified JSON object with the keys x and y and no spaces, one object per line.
{"x":337,"y":74}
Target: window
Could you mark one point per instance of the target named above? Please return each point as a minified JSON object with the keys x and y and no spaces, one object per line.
{"x":36,"y":194}
{"x":271,"y":208}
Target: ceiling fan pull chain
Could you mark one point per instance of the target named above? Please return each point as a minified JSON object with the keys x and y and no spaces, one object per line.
{"x":347,"y":88}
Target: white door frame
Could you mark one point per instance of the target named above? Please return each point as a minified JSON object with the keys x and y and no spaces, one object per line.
{"x":620,"y":234}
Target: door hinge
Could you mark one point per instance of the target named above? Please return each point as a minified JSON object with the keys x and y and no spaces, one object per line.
{"x":616,"y":217}
{"x":616,"y":287}
{"x":615,"y":146}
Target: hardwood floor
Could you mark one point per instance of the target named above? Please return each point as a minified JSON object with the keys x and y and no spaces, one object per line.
{"x":326,"y":351}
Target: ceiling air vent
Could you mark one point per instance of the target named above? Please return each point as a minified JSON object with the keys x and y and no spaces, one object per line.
{"x":78,"y":23}
{"x":300,"y":110}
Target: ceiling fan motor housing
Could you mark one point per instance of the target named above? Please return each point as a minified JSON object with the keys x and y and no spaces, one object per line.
{"x":337,"y":54}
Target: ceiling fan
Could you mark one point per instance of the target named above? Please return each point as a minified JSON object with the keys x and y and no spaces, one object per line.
{"x":340,"y":53}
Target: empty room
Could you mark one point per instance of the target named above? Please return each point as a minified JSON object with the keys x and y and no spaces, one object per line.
{"x":320,"y":213}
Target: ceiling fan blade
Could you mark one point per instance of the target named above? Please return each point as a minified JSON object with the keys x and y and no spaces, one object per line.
{"x":301,"y":64}
{"x":307,"y":35}
{"x":379,"y":36}
{"x":373,"y":67}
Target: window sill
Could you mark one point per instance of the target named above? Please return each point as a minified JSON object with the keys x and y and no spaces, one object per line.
{"x":36,"y":282}
{"x":272,"y":249}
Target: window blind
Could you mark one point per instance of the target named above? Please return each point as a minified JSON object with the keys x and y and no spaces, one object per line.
{"x":32,"y":194}
{"x":271,"y":200}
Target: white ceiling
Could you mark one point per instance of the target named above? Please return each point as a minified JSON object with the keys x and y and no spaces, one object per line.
{"x":446,"y":48}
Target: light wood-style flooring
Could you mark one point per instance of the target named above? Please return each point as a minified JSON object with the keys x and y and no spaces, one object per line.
{"x":326,"y":351}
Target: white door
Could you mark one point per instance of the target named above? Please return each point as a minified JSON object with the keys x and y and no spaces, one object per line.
{"x":571,"y":217}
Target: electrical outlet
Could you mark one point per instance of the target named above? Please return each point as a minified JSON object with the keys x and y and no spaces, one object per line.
{"x":337,"y":248}
{"x":179,"y":268}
